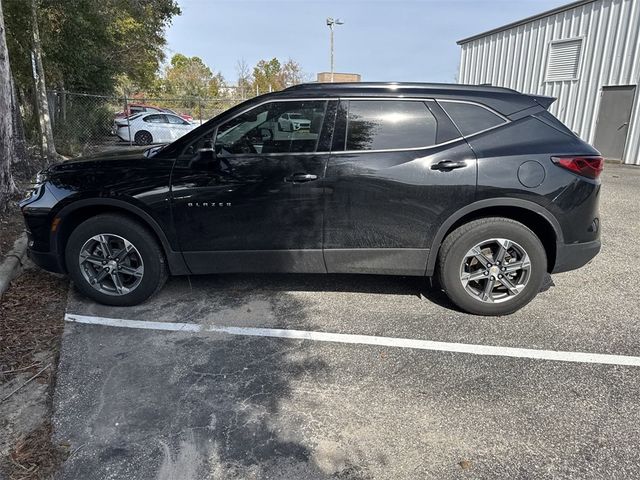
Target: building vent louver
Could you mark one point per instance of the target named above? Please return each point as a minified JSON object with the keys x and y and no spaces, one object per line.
{"x":563,"y":61}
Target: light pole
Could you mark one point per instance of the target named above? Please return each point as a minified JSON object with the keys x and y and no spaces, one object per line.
{"x":331,"y":23}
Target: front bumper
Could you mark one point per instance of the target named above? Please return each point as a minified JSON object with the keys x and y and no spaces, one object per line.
{"x":46,"y":260}
{"x":576,"y":255}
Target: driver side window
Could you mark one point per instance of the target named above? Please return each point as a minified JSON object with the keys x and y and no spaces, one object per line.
{"x":274,"y":127}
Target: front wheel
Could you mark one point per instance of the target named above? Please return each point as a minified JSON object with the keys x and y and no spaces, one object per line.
{"x":115,"y":260}
{"x":492,"y":266}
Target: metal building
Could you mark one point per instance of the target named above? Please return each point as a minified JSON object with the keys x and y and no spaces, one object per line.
{"x":586,"y":53}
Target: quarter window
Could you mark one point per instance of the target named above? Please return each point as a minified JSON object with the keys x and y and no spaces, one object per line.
{"x":471,"y":118}
{"x":389,"y":124}
{"x":176,"y":120}
{"x":275,"y":127}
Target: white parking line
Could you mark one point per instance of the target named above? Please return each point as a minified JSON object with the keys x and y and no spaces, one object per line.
{"x":580,"y":357}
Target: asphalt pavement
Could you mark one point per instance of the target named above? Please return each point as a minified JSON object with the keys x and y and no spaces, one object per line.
{"x":386,"y":380}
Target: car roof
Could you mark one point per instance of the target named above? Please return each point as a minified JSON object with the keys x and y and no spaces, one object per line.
{"x":504,"y":100}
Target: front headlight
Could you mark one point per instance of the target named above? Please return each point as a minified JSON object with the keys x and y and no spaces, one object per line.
{"x":37,"y":186}
{"x":41,"y":177}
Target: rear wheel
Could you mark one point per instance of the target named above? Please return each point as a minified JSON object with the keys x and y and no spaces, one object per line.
{"x":492,"y":266}
{"x":143,"y":138}
{"x":115,"y":260}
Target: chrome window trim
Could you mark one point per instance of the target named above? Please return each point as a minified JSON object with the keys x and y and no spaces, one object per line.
{"x":474,"y":103}
{"x":341,"y":98}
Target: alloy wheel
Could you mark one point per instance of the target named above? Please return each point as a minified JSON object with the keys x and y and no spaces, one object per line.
{"x":111,"y":264}
{"x":495,"y":270}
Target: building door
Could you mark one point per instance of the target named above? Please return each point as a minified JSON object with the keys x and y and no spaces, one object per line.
{"x":613,"y":120}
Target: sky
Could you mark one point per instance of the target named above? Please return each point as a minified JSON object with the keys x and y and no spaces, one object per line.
{"x":383,"y":40}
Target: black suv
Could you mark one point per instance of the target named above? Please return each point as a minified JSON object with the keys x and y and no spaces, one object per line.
{"x":479,"y":186}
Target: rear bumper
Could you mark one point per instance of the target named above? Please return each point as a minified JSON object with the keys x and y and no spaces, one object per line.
{"x":576,"y":255}
{"x":46,"y":260}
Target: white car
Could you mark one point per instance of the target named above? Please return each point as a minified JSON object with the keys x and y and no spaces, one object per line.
{"x":147,"y":128}
{"x":292,"y":122}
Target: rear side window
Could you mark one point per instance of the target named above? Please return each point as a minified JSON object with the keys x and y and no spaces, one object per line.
{"x":175,"y":119}
{"x":471,"y":118}
{"x":155,"y":119}
{"x":389,"y":124}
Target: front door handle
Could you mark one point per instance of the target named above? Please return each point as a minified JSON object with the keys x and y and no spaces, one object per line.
{"x":448,"y":165}
{"x":301,"y":178}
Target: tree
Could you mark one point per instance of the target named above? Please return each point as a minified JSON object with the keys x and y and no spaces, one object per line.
{"x":291,"y":73}
{"x":190,"y":77}
{"x":267,"y":76}
{"x":48,"y":149}
{"x":7,"y":151}
{"x":244,"y":79}
{"x":87,"y":46}
{"x":270,"y":76}
{"x":114,"y":37}
{"x":19,"y":144}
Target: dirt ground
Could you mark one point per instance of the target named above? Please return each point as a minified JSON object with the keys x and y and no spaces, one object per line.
{"x":31,"y":322}
{"x":11,"y":226}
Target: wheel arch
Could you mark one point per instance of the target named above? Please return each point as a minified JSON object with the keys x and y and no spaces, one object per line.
{"x":537,"y":218}
{"x":74,"y":214}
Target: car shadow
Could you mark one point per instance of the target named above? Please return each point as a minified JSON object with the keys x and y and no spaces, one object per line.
{"x":423,"y":288}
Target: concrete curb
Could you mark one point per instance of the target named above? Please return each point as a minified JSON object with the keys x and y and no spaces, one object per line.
{"x":13,"y":262}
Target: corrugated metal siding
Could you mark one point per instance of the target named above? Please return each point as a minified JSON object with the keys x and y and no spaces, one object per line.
{"x":610,"y":55}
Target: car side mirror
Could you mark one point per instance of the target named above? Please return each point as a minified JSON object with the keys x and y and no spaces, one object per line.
{"x":207,"y":150}
{"x":206,"y":153}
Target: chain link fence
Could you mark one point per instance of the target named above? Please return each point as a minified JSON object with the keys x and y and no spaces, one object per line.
{"x":84,"y":124}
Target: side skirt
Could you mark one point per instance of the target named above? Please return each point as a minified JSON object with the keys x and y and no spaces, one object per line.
{"x":380,"y":261}
{"x":256,"y":261}
{"x":377,"y":261}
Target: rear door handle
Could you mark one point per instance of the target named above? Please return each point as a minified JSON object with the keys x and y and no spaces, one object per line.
{"x":301,"y":178}
{"x":448,"y":165}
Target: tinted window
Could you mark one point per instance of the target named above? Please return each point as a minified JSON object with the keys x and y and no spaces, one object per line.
{"x":176,"y":120}
{"x":268,"y":129}
{"x":155,"y":119}
{"x":470,"y":118}
{"x":389,"y":124}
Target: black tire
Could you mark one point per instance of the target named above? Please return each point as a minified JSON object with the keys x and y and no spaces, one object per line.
{"x":155,"y":267}
{"x":143,"y":138}
{"x":454,"y":250}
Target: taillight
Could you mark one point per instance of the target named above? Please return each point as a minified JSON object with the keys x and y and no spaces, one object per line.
{"x":590,"y":167}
